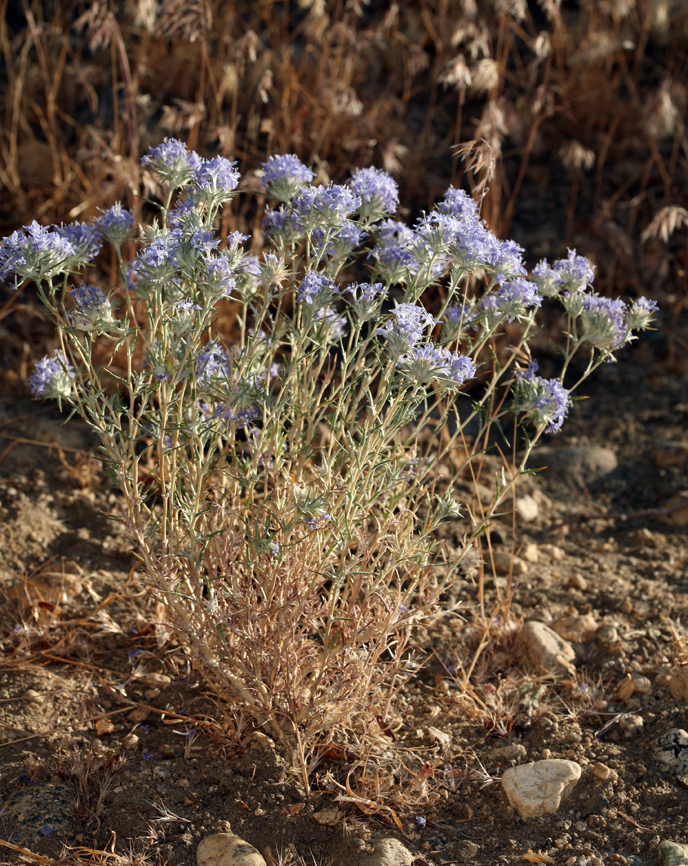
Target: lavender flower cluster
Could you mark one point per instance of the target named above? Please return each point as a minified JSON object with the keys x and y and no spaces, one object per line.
{"x":183,"y":262}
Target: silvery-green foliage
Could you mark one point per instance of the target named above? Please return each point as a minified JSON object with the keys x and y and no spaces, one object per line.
{"x":276,"y":484}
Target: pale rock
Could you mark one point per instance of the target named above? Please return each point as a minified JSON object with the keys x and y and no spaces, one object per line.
{"x":677,"y":513}
{"x":389,"y":852}
{"x":103,"y":727}
{"x":436,"y":737}
{"x":530,"y":552}
{"x":505,"y":562}
{"x":576,"y":628}
{"x":31,"y":696}
{"x":514,"y":752}
{"x":577,"y":581}
{"x":671,"y":752}
{"x":159,"y":681}
{"x":634,"y":684}
{"x":540,"y":788}
{"x":556,"y":554}
{"x":672,"y":853}
{"x":329,"y":817}
{"x":631,"y":725}
{"x":581,"y":464}
{"x":130,"y":742}
{"x":466,"y":851}
{"x":527,"y":508}
{"x":603,"y":772}
{"x":678,"y":684}
{"x":226,"y":849}
{"x":545,"y":649}
{"x":140,"y":714}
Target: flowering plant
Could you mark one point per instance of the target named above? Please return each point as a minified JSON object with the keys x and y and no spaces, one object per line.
{"x":278,"y":489}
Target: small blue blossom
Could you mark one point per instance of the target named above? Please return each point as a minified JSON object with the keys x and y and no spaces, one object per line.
{"x":318,"y":521}
{"x":36,"y":253}
{"x":408,"y":328}
{"x":220,"y":277}
{"x":424,"y":363}
{"x":172,"y":161}
{"x":215,"y":180}
{"x":283,"y":176}
{"x":115,"y":224}
{"x":459,"y":204}
{"x":316,"y":289}
{"x":212,"y":363}
{"x":513,"y":299}
{"x":316,"y":206}
{"x":378,"y":192}
{"x":421,"y":822}
{"x":574,"y":273}
{"x":604,"y":322}
{"x":85,"y":239}
{"x":52,"y":377}
{"x":46,"y":830}
{"x":92,"y":311}
{"x":546,"y":401}
{"x":149,"y":756}
{"x":641,"y":312}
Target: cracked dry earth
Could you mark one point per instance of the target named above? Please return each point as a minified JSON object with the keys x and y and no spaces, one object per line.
{"x":95,"y":747}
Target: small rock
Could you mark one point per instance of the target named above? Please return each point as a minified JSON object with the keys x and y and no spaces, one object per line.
{"x":389,"y":852}
{"x":158,"y":681}
{"x":544,"y":649}
{"x":595,"y":805}
{"x":603,"y":772}
{"x":540,"y":788}
{"x":130,"y":742}
{"x":31,"y":696}
{"x":505,"y":562}
{"x":607,"y":637}
{"x":672,"y":853}
{"x":671,"y":752}
{"x":663,"y":676}
{"x":632,"y":685}
{"x":435,"y":737}
{"x":678,"y":684}
{"x":103,"y":727}
{"x":530,"y":552}
{"x":677,"y":513}
{"x":465,"y":851}
{"x":226,"y":849}
{"x":514,"y":752}
{"x":556,"y":554}
{"x":527,"y":508}
{"x":577,"y":581}
{"x":183,"y":783}
{"x":140,"y":714}
{"x":329,"y":817}
{"x":581,"y":464}
{"x":631,"y":725}
{"x":576,"y":628}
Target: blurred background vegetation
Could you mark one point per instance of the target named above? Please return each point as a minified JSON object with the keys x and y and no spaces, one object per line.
{"x":579,"y":106}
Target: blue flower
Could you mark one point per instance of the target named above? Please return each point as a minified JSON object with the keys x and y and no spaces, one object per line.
{"x":546,"y":401}
{"x":379,"y":193}
{"x":316,"y":289}
{"x":215,"y":180}
{"x":408,"y":328}
{"x":172,"y":161}
{"x":283,"y":176}
{"x":52,"y":377}
{"x":115,"y":224}
{"x":36,"y":253}
{"x":92,"y":311}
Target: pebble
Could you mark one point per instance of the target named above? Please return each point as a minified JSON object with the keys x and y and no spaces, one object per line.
{"x":583,"y":464}
{"x":329,"y":817}
{"x":103,"y":727}
{"x":465,"y":851}
{"x":31,"y":696}
{"x":576,"y":628}
{"x":527,"y":508}
{"x":556,"y":554}
{"x":389,"y":852}
{"x":679,"y":516}
{"x":545,"y":649}
{"x":678,"y":684}
{"x":631,"y":725}
{"x":595,"y":805}
{"x":632,"y":685}
{"x":577,"y":581}
{"x":672,"y":853}
{"x":226,"y":849}
{"x":540,"y":788}
{"x":603,"y":772}
{"x":140,"y":714}
{"x":531,"y":552}
{"x":503,"y":562}
{"x":514,"y":752}
{"x":159,"y":681}
{"x":671,"y":752}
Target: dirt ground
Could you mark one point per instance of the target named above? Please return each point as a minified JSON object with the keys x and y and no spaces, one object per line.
{"x":109,"y":741}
